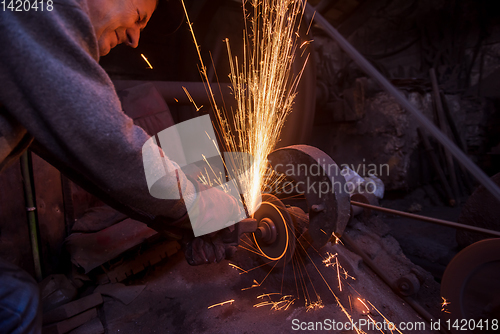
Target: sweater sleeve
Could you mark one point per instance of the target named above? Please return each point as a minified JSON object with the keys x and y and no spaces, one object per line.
{"x":52,"y":84}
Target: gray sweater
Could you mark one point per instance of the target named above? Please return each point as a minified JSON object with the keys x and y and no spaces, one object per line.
{"x":52,"y":89}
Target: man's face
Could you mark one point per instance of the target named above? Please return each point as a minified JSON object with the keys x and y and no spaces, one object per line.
{"x":119,"y":21}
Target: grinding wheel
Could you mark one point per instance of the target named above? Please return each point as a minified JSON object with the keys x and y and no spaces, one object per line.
{"x":328,"y":211}
{"x":280,"y":247}
{"x":481,"y":210}
{"x":470,"y":284}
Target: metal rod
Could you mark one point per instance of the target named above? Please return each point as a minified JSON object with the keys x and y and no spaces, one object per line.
{"x":427,"y":219}
{"x":30,"y":207}
{"x":420,"y":117}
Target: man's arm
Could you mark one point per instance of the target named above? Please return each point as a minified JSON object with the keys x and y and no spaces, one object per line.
{"x":52,"y":84}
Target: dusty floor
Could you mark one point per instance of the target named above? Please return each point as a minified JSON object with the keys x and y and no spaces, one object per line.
{"x":305,"y":294}
{"x":177,"y":296}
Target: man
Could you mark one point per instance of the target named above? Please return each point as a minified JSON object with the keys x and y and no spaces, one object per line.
{"x":55,"y":97}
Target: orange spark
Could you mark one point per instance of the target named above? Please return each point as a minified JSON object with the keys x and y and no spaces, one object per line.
{"x":264,"y":88}
{"x":255,"y":285}
{"x":268,"y":294}
{"x":338,"y":272}
{"x":387,"y":320}
{"x":315,"y":306}
{"x":147,"y":61}
{"x":444,"y":304}
{"x":191,"y":99}
{"x":364,"y":304}
{"x":236,"y":267}
{"x":282,"y":304}
{"x":223,"y":303}
{"x":328,"y":262}
{"x":349,"y":317}
{"x":335,"y":240}
{"x":375,"y":323}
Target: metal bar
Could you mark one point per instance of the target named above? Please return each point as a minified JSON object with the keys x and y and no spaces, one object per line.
{"x":30,"y":208}
{"x":428,"y":219}
{"x":420,"y":117}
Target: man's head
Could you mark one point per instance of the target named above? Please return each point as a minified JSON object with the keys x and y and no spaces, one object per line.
{"x":119,"y":21}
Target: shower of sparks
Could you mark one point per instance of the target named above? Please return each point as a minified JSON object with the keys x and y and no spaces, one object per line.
{"x":317,"y":305}
{"x":223,"y":303}
{"x":257,"y":284}
{"x":282,"y":304}
{"x":301,"y":275}
{"x":214,"y":177}
{"x":147,"y":61}
{"x":444,"y":304}
{"x":264,"y":88}
{"x":332,"y":260}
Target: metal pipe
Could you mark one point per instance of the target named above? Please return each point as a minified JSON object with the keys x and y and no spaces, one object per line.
{"x":420,"y":117}
{"x":428,"y":219}
{"x":32,"y":219}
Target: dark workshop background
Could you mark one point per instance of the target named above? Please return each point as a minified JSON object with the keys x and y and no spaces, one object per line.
{"x":350,"y":117}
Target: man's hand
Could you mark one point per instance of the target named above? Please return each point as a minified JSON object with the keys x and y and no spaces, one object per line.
{"x":209,"y":248}
{"x":209,"y":211}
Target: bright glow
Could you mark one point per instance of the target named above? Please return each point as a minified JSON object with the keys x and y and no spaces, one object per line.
{"x":264,"y":88}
